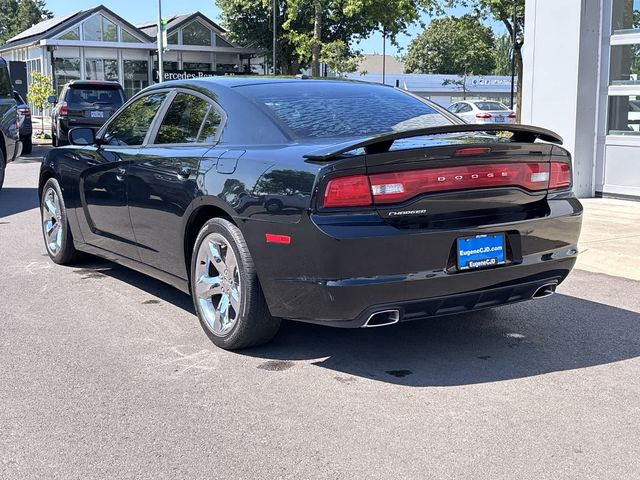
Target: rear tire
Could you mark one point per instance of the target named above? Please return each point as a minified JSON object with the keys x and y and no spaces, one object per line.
{"x":27,"y":144}
{"x":226,"y":291}
{"x":55,"y":227}
{"x":54,"y":139}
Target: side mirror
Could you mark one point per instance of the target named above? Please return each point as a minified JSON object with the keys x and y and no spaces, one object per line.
{"x":52,"y":100}
{"x":82,"y":136}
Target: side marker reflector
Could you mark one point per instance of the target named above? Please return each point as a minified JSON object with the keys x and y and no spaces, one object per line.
{"x":274,"y":238}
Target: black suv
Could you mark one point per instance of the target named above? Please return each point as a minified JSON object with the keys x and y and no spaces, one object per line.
{"x":10,"y":146}
{"x":83,"y":103}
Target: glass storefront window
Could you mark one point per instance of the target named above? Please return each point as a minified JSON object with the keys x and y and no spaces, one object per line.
{"x":92,"y":29}
{"x":100,"y":29}
{"x":624,"y":115}
{"x":221,"y":42}
{"x":626,"y":16}
{"x":98,"y":69}
{"x":66,"y":70}
{"x":71,"y":34}
{"x":196,"y":66}
{"x":166,"y":65}
{"x":625,"y":64}
{"x":136,"y":76}
{"x":109,"y":31}
{"x":127,"y":37}
{"x":226,"y":67}
{"x":196,"y":34}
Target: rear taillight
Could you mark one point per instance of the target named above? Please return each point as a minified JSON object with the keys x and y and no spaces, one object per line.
{"x":512,"y":115}
{"x":351,"y":191}
{"x":396,"y":187}
{"x":560,"y":176}
{"x":483,"y":115}
{"x":64,"y":109}
{"x":401,"y":186}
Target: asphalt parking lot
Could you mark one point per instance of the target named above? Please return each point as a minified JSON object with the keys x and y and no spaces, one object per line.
{"x":106,"y":373}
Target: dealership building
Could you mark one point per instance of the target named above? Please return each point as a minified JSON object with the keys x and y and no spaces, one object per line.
{"x":97,"y":44}
{"x":582,"y":79}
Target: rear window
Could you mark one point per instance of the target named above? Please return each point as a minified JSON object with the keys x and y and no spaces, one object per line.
{"x":86,"y":96}
{"x":489,"y":106}
{"x":326,"y":109}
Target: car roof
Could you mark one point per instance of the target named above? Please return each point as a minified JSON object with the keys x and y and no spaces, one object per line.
{"x":93,"y":83}
{"x":232,"y":81}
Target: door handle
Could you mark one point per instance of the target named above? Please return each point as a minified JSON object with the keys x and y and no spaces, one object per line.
{"x":121,"y":172}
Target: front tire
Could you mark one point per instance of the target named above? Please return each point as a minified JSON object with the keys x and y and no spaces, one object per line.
{"x":226,"y":292}
{"x":55,"y":227}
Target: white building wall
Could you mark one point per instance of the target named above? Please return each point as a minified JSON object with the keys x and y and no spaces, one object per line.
{"x":561,"y":78}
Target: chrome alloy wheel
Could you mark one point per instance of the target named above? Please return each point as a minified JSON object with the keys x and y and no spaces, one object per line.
{"x":217,"y":284}
{"x":52,"y":221}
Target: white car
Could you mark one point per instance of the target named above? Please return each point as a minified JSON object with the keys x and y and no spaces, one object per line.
{"x":483,"y":111}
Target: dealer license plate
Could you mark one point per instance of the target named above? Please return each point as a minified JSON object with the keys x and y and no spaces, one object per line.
{"x":481,"y":251}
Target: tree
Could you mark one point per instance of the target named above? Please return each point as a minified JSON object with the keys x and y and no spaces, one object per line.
{"x":18,"y":15}
{"x":502,"y":55}
{"x":456,"y":45}
{"x":339,"y":58}
{"x":40,"y":89}
{"x":306,"y":26}
{"x":503,"y":11}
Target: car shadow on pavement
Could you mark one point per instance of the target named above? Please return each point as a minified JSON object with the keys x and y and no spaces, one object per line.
{"x":532,"y":338}
{"x":16,"y":200}
{"x":554,"y":334}
{"x":92,"y":267}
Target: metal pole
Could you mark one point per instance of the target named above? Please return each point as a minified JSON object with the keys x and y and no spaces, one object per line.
{"x":513,"y":53}
{"x":160,"y":46}
{"x":384,"y":57}
{"x":275,"y":34}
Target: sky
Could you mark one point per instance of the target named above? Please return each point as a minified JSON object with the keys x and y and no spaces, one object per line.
{"x":140,"y":11}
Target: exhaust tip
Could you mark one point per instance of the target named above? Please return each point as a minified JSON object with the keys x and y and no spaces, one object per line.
{"x":382,"y":319}
{"x":545,"y":290}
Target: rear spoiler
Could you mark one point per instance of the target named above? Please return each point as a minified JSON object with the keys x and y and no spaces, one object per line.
{"x":382,"y":143}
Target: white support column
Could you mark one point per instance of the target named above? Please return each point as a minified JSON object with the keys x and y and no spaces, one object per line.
{"x":561,"y":78}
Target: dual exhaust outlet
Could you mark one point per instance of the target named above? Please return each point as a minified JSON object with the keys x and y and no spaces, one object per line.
{"x":545,"y":290}
{"x":389,"y":317}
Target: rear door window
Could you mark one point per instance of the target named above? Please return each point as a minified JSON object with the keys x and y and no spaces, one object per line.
{"x":189,"y":119}
{"x":130,"y":127}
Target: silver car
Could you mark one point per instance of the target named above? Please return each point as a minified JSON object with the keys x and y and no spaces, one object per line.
{"x":483,"y":111}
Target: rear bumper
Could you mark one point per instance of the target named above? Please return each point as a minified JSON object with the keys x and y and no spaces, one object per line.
{"x":341,"y":273}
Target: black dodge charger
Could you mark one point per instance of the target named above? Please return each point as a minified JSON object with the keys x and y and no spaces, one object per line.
{"x":340,"y":203}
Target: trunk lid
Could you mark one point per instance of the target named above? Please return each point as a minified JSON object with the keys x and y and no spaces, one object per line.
{"x":462,"y":183}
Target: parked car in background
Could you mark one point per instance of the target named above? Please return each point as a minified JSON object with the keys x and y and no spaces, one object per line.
{"x":483,"y":111}
{"x":280,"y":198}
{"x":83,"y":103}
{"x":10,"y":146}
{"x":25,"y":126}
